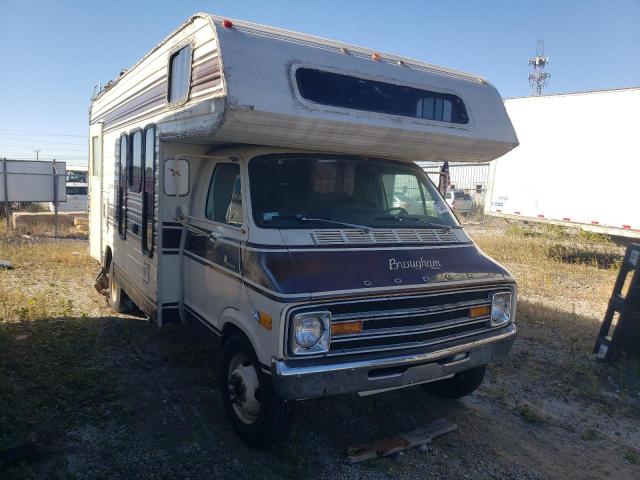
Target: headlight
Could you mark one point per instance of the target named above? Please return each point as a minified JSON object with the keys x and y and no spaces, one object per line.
{"x":500,"y":308}
{"x":311,"y":333}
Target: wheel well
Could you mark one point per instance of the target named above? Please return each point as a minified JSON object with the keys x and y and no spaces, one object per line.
{"x":230,"y":330}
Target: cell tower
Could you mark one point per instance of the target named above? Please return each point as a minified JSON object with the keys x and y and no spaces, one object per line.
{"x":539,"y":78}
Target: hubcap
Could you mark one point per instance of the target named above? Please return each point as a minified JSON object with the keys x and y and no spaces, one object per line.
{"x":244,"y":389}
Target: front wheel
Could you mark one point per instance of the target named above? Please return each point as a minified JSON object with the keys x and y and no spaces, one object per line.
{"x":460,"y":385}
{"x":257,"y":414}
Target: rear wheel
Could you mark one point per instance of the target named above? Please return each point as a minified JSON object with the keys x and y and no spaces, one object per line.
{"x":117,"y":297}
{"x":460,"y":385}
{"x":258,"y":415}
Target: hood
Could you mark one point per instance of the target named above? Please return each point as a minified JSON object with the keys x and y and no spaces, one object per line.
{"x":319,"y":271}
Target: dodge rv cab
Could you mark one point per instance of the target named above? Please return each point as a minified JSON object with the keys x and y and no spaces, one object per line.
{"x":260,"y":185}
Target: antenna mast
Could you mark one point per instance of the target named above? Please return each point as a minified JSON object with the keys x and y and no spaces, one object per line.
{"x":539,"y":78}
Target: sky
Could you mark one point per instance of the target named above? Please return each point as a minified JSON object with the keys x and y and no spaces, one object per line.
{"x":52,"y":53}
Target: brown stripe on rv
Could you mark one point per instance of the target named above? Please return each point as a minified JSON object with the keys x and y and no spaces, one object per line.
{"x":151,"y":98}
{"x":206,"y":75}
{"x":203,"y":76}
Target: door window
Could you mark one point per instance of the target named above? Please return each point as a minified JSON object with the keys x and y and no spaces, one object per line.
{"x":96,"y":156}
{"x":224,"y":199}
{"x":121,"y":194}
{"x":148,"y":189}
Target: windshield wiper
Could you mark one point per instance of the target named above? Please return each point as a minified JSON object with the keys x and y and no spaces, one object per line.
{"x":344,"y":224}
{"x":402,"y":218}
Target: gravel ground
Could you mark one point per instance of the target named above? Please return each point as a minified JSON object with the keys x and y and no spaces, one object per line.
{"x":108,"y":396}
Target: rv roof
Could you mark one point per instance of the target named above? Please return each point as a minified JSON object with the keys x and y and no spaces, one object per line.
{"x":254,"y":84}
{"x":311,"y":40}
{"x":335,"y":45}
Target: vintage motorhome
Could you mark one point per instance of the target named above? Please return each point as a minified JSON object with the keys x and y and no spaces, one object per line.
{"x":259,"y":184}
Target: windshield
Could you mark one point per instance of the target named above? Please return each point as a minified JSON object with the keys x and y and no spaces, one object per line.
{"x":336,"y":192}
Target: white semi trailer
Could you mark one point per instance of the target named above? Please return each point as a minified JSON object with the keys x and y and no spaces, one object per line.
{"x":578,"y":163}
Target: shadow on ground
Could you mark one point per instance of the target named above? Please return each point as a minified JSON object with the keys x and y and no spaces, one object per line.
{"x":113,"y":397}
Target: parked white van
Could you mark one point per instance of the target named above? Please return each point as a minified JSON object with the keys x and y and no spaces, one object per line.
{"x":259,"y":184}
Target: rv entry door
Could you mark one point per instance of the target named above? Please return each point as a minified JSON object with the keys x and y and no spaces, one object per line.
{"x":97,"y":214}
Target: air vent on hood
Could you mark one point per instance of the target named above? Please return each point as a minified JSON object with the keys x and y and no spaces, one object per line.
{"x":355,"y":236}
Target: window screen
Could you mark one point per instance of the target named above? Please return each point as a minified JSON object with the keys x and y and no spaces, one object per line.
{"x":135,"y":168}
{"x":96,"y":156}
{"x":345,"y":91}
{"x":180,"y":75}
{"x":224,"y":200}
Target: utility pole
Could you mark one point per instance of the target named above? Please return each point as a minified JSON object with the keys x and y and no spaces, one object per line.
{"x":37,"y":150}
{"x":539,"y":79}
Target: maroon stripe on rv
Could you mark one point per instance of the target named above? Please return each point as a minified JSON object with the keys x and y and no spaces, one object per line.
{"x":540,"y":216}
{"x":566,"y":219}
{"x":206,"y":75}
{"x":593,"y":222}
{"x":151,"y":98}
{"x":628,"y":227}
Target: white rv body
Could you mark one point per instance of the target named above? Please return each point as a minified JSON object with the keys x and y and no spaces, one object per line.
{"x":221,"y":96}
{"x":577,"y":164}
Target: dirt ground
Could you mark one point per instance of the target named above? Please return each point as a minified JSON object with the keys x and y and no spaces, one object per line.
{"x":85,"y":393}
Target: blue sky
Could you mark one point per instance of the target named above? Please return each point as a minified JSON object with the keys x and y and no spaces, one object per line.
{"x":52,"y":53}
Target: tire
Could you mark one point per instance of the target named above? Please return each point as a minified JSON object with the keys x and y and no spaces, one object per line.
{"x":260,"y":418}
{"x":117,"y":297}
{"x":458,"y":386}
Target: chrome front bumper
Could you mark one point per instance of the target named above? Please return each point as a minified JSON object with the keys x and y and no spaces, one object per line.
{"x":302,"y":379}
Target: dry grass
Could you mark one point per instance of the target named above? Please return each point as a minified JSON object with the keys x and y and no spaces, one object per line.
{"x":42,"y":280}
{"x":567,"y":272}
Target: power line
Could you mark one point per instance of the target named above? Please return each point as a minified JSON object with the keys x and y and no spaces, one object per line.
{"x":42,"y":133}
{"x":30,"y":157}
{"x":39,"y":140}
{"x":29,"y":147}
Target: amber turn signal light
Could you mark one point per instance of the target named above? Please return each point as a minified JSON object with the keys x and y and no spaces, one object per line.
{"x":483,"y":311}
{"x":265,"y":320}
{"x":346,"y":328}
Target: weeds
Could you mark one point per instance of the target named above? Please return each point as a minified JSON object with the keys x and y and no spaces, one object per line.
{"x":632,"y":457}
{"x":589,"y":435}
{"x":530,"y":415}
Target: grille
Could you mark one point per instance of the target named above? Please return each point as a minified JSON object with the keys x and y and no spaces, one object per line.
{"x":409,"y":322}
{"x":355,"y":236}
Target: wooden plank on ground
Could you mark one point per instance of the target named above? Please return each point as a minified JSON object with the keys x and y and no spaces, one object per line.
{"x":390,"y":446}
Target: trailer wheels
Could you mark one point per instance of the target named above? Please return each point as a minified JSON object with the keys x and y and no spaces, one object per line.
{"x":257,"y":414}
{"x":117,"y":297}
{"x":458,"y":386}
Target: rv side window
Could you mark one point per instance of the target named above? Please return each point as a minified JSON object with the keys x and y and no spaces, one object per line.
{"x":96,"y":156}
{"x":121,"y":199}
{"x":149,"y":185}
{"x":180,"y":75}
{"x":224,"y":200}
{"x":345,"y":91}
{"x":135,"y":166}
